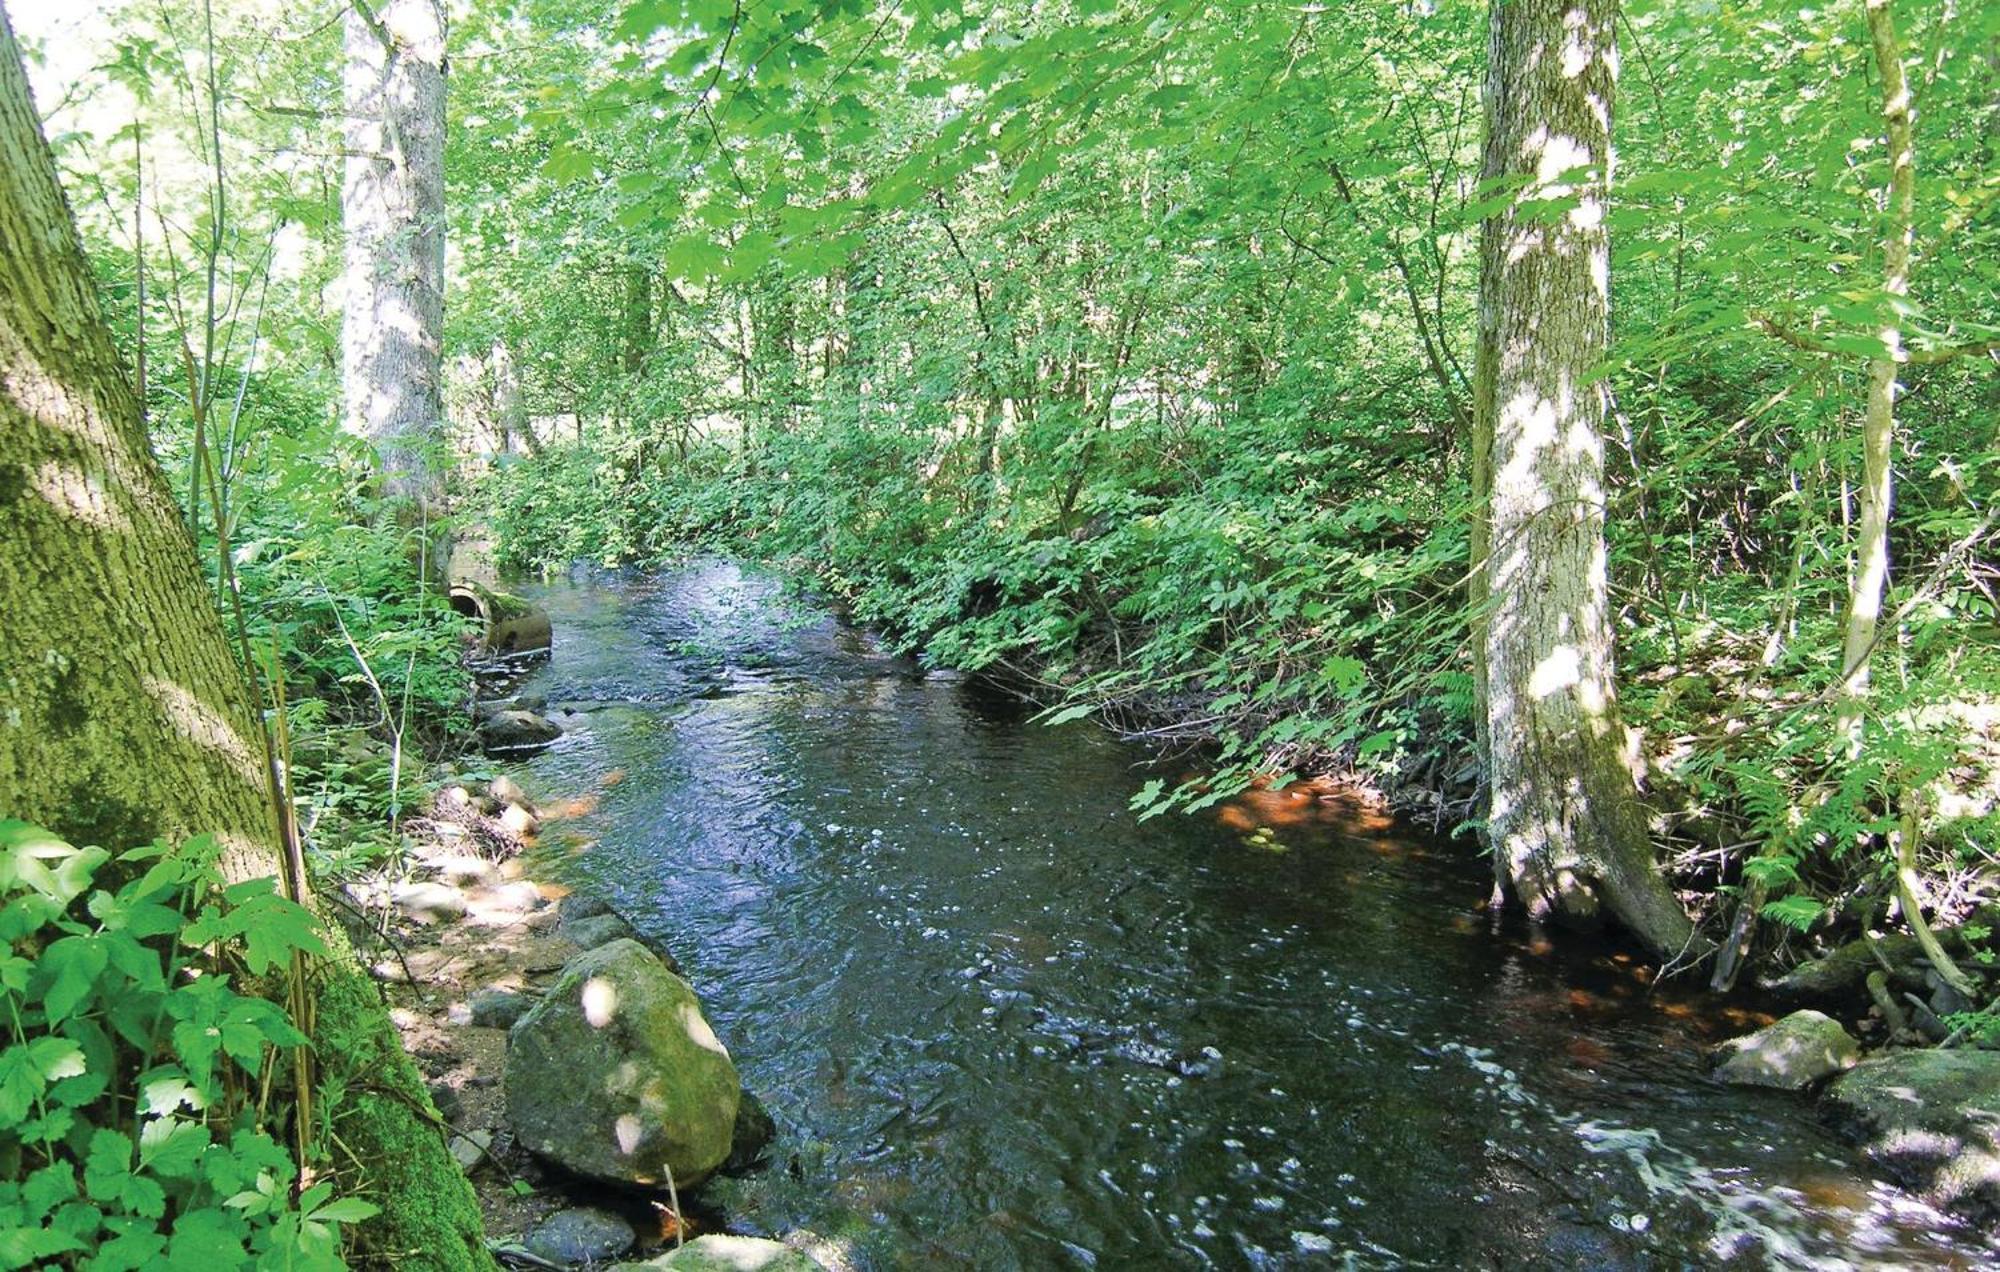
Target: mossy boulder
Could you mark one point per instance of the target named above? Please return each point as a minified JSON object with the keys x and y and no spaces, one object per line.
{"x":1930,"y":1119}
{"x":617,"y":1076}
{"x":1792,"y":1053}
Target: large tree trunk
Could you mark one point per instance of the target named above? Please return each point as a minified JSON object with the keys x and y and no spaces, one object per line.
{"x":1869,"y":576}
{"x":126,"y":717}
{"x":1568,"y":833}
{"x":392,"y":210}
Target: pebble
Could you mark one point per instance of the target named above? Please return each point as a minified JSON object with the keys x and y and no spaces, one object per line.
{"x":584,"y":1234}
{"x":429,"y":902}
{"x":470,"y":1148}
{"x":517,"y":821}
{"x":498,"y":1008}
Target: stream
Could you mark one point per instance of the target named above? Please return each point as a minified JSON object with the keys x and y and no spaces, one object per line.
{"x":1002,"y":1023}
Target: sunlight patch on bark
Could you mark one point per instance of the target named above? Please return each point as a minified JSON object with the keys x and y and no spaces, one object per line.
{"x":206,"y":727}
{"x":80,"y":496}
{"x":1531,"y":421}
{"x":1561,"y":668}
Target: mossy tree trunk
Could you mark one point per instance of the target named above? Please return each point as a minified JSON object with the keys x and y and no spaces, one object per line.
{"x":1567,"y":830}
{"x":123,"y":715}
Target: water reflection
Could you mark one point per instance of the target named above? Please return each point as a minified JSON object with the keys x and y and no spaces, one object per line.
{"x":1005,"y":1025}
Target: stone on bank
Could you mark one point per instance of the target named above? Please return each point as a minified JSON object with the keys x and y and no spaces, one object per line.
{"x":582,"y":1235}
{"x":1931,"y":1120}
{"x":616,"y":1075}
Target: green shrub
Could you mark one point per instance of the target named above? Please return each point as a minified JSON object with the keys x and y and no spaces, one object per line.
{"x":134,"y":1076}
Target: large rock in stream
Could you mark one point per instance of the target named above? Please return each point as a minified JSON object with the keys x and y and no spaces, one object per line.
{"x":1931,"y":1119}
{"x":616,"y":1075}
{"x":516,"y":732}
{"x":1791,"y":1054}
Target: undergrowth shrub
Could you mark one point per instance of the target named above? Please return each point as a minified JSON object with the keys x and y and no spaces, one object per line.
{"x":135,"y":1078}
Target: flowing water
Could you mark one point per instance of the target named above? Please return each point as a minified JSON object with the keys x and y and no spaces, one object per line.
{"x":1002,"y":1023}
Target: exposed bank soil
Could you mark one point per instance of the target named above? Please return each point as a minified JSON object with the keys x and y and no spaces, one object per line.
{"x":431,"y":958}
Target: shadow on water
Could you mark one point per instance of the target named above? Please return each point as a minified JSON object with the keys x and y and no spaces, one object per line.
{"x":1004,"y":1024}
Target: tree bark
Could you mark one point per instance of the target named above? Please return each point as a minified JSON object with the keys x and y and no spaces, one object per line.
{"x":638,"y":320}
{"x":126,"y":718}
{"x":392,"y":210}
{"x":510,"y":405}
{"x":1568,"y":833}
{"x":1869,"y":576}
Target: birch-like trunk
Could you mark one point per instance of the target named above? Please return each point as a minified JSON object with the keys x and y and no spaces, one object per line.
{"x":1868,"y":579}
{"x":510,"y":404}
{"x":126,"y":718}
{"x":392,"y":210}
{"x":1567,"y":830}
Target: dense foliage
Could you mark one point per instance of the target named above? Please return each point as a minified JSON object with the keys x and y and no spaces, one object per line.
{"x":1124,"y":347}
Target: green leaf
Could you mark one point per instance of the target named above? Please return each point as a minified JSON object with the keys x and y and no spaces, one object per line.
{"x":108,"y":1166}
{"x":48,"y":1188}
{"x":1795,"y":911}
{"x":1068,"y":714}
{"x":172,"y":1148}
{"x":30,"y":1247}
{"x":1345,"y":674}
{"x":70,"y":968}
{"x":346,"y":1210}
{"x":26,"y":1070}
{"x":567,"y":164}
{"x":1377,"y":742}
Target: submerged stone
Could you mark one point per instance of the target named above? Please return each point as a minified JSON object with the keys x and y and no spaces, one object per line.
{"x":582,"y":1235}
{"x":517,"y":731}
{"x":590,"y":924}
{"x":754,"y":1130}
{"x":721,"y":1253}
{"x":597,"y":930}
{"x":580,"y":905}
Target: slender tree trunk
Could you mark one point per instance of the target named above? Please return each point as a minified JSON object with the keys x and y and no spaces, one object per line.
{"x":126,"y":716}
{"x":1567,"y":830}
{"x":638,"y":320}
{"x":510,"y":406}
{"x":987,"y":439}
{"x":392,"y":209}
{"x":1869,"y":575}
{"x":746,"y":347}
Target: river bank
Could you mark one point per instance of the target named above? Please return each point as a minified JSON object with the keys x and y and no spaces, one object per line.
{"x":470,"y":940}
